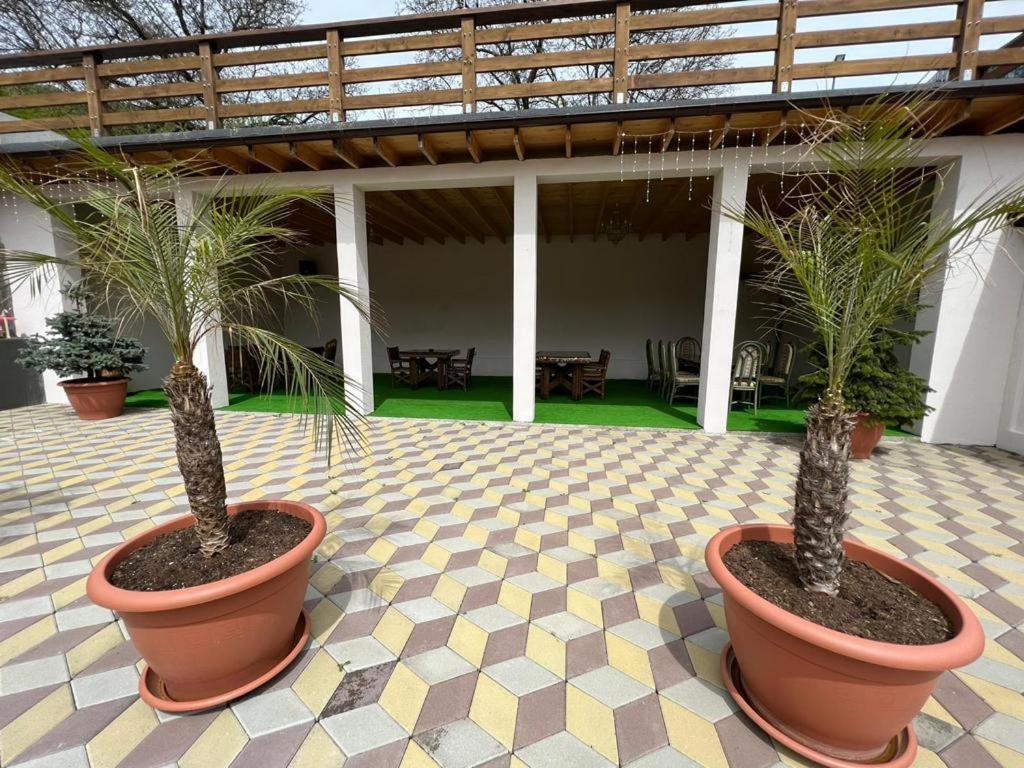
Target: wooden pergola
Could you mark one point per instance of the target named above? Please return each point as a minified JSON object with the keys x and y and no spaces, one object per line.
{"x":97,"y":90}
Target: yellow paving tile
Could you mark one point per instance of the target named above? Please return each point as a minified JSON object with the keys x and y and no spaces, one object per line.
{"x":219,"y":744}
{"x":34,"y":723}
{"x":29,"y":637}
{"x":93,"y":648}
{"x":111,"y":745}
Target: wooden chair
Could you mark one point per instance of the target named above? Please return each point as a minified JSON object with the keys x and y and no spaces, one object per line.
{"x":401,"y":370}
{"x":662,"y":369}
{"x":677,"y":380}
{"x":688,"y":349}
{"x":746,"y":372}
{"x":594,"y":375}
{"x":782,"y":371}
{"x":460,"y":369}
{"x":653,"y":367}
{"x":331,"y":350}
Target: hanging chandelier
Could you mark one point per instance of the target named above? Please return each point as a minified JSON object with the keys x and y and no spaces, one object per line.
{"x":616,"y":226}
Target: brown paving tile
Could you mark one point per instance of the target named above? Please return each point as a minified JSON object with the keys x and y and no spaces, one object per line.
{"x":745,"y":745}
{"x":965,"y":752}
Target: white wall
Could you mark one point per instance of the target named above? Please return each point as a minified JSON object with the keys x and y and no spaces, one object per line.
{"x":592,"y":295}
{"x":1011,"y":425}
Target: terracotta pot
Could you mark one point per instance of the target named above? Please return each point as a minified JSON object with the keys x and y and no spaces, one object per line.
{"x":206,"y":641}
{"x":865,"y":437}
{"x":840,"y":695}
{"x":94,"y":400}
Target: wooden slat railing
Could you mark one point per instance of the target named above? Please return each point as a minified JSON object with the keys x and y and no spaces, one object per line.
{"x":194,"y":82}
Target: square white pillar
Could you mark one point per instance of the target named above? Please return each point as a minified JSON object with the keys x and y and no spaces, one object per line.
{"x":524,"y":297}
{"x":973,"y":308}
{"x":24,"y":227}
{"x":725,"y":248}
{"x":353,"y":271}
{"x":208,"y":356}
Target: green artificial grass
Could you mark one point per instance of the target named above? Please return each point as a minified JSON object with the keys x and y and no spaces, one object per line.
{"x":629,"y":404}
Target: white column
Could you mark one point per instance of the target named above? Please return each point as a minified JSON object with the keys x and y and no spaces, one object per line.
{"x":24,"y":227}
{"x":208,"y":355}
{"x":973,"y":314}
{"x":724,"y":251}
{"x":353,"y":271}
{"x":524,"y":297}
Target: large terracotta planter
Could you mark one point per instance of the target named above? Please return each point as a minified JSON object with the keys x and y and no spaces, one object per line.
{"x":842,"y":696}
{"x":94,"y":400}
{"x":210,"y":642}
{"x":866,"y":434}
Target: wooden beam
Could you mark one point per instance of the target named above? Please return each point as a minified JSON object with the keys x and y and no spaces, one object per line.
{"x":786,"y":47}
{"x":617,"y":141}
{"x":506,"y":205}
{"x":427,"y":148}
{"x":605,"y":187}
{"x":969,"y":13}
{"x":228,"y":159}
{"x":772,"y":133}
{"x":306,"y":155}
{"x":663,"y":210}
{"x":670,"y":133}
{"x":517,"y":142}
{"x":93,"y":86}
{"x":474,"y":205}
{"x":347,"y":152}
{"x":439,"y":208}
{"x":620,"y":64}
{"x":377,"y":214}
{"x":208,"y":73}
{"x":716,"y":142}
{"x":1003,"y":119}
{"x":411,"y":214}
{"x":386,"y":152}
{"x":468,"y":65}
{"x":568,"y":141}
{"x":473,"y":147}
{"x":423,"y":203}
{"x":335,"y":76}
{"x":268,"y":158}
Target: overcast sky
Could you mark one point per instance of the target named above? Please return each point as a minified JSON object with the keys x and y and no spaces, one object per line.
{"x":319,"y":11}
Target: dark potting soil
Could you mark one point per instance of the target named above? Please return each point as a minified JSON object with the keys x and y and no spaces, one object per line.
{"x":173,"y":561}
{"x":869,"y":604}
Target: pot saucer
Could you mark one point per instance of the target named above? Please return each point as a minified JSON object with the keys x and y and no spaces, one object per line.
{"x":151,"y":687}
{"x":899,"y":754}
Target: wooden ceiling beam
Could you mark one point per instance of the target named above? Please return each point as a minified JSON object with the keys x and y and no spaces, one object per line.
{"x":506,"y":205}
{"x":617,"y":141}
{"x":386,"y":233}
{"x":386,"y":152}
{"x":409,"y":213}
{"x":568,"y":141}
{"x":770,"y":134}
{"x":469,"y":195}
{"x":518,"y":144}
{"x":422,"y":199}
{"x":717,"y":140}
{"x":663,"y":210}
{"x":1004,"y":118}
{"x":347,"y":152}
{"x":427,"y":148}
{"x":306,"y":155}
{"x":378,"y":214}
{"x":670,"y":133}
{"x":268,"y":158}
{"x":473,"y":147}
{"x":228,"y":159}
{"x":696,"y":213}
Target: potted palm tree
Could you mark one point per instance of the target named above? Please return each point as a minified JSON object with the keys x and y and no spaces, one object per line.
{"x":81,"y":342}
{"x":212,"y":600}
{"x":836,"y":646}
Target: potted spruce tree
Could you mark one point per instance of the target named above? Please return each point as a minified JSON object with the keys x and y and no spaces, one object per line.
{"x":213,"y":599}
{"x":835,"y":646}
{"x":879,"y":390}
{"x":81,"y":342}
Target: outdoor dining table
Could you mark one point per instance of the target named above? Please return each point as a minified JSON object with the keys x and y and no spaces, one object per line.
{"x":562,"y":369}
{"x":441,"y":358}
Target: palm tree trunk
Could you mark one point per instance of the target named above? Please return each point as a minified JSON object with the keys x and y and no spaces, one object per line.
{"x":821,"y":497}
{"x":199,"y":455}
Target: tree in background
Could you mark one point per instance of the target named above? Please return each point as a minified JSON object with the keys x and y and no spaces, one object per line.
{"x":581,"y":72}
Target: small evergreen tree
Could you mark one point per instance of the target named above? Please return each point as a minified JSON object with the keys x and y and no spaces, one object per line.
{"x":81,"y":343}
{"x":877,"y":383}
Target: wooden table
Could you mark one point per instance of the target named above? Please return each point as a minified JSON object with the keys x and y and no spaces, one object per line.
{"x":441,"y":358}
{"x":562,"y":369}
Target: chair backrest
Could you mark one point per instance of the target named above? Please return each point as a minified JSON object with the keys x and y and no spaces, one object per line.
{"x":671,"y":361}
{"x":748,"y":362}
{"x":784,"y":361}
{"x":393,"y":354}
{"x":604,"y":359}
{"x":689,"y":349}
{"x":331,"y":350}
{"x":651,"y":367}
{"x":662,"y":361}
{"x":470,"y":354}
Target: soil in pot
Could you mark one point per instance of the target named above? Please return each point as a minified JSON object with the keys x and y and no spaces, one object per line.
{"x":173,"y":561}
{"x":869,"y":604}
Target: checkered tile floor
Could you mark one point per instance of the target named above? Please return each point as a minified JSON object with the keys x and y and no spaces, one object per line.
{"x":487,"y":595}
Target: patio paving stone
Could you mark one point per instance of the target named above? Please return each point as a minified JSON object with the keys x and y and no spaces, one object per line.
{"x":488,"y":594}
